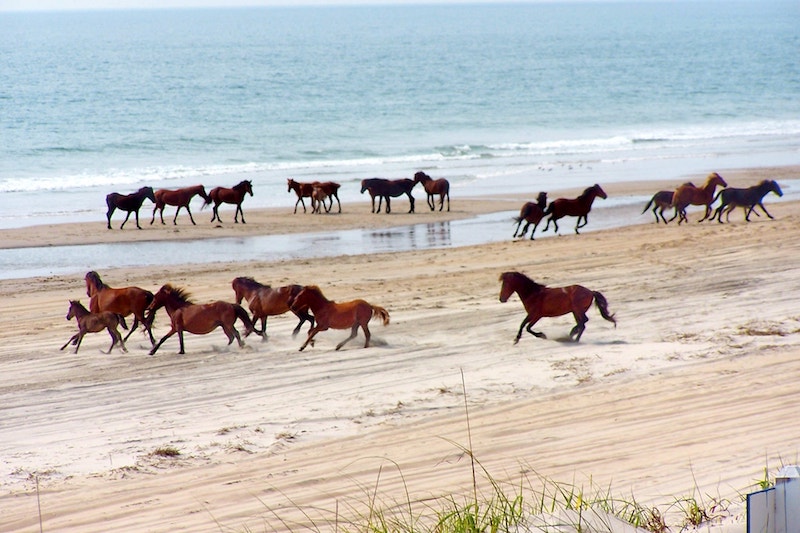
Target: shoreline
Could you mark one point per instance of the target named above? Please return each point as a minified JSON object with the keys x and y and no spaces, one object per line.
{"x":704,"y":353}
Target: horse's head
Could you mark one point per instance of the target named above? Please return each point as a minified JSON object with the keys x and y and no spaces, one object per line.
{"x":364,"y":186}
{"x":421,"y":177}
{"x":599,"y":191}
{"x":292,"y":184}
{"x":204,"y":195}
{"x":148,"y":193}
{"x":93,"y":283}
{"x":715,"y":179}
{"x":774,"y":187}
{"x":72,"y":305}
{"x":507,"y":285}
{"x":541,"y":200}
{"x":246,"y":186}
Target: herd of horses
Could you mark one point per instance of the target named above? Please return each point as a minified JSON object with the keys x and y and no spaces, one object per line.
{"x":320,"y":194}
{"x":109,"y":306}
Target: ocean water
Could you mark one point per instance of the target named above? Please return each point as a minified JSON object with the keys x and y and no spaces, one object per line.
{"x":496,"y":98}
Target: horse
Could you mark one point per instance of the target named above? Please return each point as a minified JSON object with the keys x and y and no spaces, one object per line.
{"x":385,"y":189}
{"x":330,"y":314}
{"x":433,"y":187}
{"x":200,"y":319}
{"x":574,"y":207}
{"x":326,"y":189}
{"x":687,"y":194}
{"x":318,"y":197}
{"x":180,"y":198}
{"x":264,"y":301}
{"x":128,"y":202}
{"x":302,"y":190}
{"x":660,"y":201}
{"x":541,"y":301}
{"x":234,"y":195}
{"x":122,"y":301}
{"x":531,"y":213}
{"x":747,"y":199}
{"x":89,"y":322}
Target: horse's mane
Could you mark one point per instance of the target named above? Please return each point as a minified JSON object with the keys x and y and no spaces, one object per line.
{"x":95,"y":279}
{"x":589,"y":190}
{"x":179,"y":293}
{"x":525,"y":281}
{"x":251,"y":283}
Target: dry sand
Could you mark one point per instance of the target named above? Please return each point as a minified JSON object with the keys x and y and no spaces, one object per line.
{"x":692,"y":395}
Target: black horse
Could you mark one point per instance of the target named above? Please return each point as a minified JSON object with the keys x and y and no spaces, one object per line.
{"x":385,"y":189}
{"x":747,"y":199}
{"x":128,"y":202}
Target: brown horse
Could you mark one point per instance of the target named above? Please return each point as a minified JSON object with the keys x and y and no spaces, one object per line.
{"x":660,"y":201}
{"x":264,"y":301}
{"x":318,"y":197}
{"x":687,"y":194}
{"x":540,"y":301}
{"x":747,"y":199}
{"x":433,"y":187}
{"x":386,"y":189}
{"x":334,"y":315}
{"x":93,"y":323}
{"x":128,"y":202}
{"x":199,"y":319}
{"x":302,"y":190}
{"x":180,"y":198}
{"x":574,"y":207}
{"x":531,"y":213}
{"x":234,"y":195}
{"x":123,"y":301}
{"x":326,"y":189}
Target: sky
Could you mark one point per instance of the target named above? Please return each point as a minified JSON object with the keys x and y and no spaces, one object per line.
{"x":60,"y":5}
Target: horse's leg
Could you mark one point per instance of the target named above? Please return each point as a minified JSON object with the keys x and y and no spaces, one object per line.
{"x":311,"y":334}
{"x":238,"y":211}
{"x":180,"y":339}
{"x":215,"y":214}
{"x":110,"y":212}
{"x":431,"y":202}
{"x":521,"y":327}
{"x":121,"y":342}
{"x":165,"y":337}
{"x":337,"y":201}
{"x":136,"y":212}
{"x":81,"y":333}
{"x":190,"y":215}
{"x":533,"y":231}
{"x":753,"y":209}
{"x":133,"y":327}
{"x":448,"y":201}
{"x":72,"y":340}
{"x":388,"y":204}
{"x":708,"y":212}
{"x":580,"y":324}
{"x":113,"y":338}
{"x":411,"y":200}
{"x":367,"y":334}
{"x":126,"y":219}
{"x":579,"y":225}
{"x":353,"y":333}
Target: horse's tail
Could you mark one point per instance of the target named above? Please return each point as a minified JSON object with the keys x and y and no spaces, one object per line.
{"x":242,"y":315}
{"x":648,"y":204}
{"x":717,"y":196}
{"x":602,"y":306}
{"x":380,"y":312}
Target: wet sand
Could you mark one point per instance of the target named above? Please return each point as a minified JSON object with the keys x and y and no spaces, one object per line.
{"x":692,"y":393}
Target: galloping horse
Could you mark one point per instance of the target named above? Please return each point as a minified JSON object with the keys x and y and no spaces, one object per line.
{"x":660,"y":201}
{"x":123,"y":301}
{"x":334,"y":315}
{"x":747,"y":199}
{"x":687,"y":194}
{"x":93,"y":323}
{"x":264,"y":301}
{"x":180,"y":198}
{"x":531,"y":213}
{"x":385,"y":189}
{"x":574,"y":207}
{"x":234,"y":195}
{"x":540,"y":301}
{"x":128,"y":202}
{"x":440,"y":186}
{"x":199,"y":319}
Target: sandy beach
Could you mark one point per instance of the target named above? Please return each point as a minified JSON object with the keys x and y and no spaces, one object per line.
{"x":693,"y":394}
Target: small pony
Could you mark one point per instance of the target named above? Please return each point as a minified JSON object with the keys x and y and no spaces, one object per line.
{"x":93,"y":323}
{"x":433,"y":187}
{"x":531,"y":213}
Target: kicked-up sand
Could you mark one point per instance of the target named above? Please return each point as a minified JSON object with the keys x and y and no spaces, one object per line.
{"x":689,"y":398}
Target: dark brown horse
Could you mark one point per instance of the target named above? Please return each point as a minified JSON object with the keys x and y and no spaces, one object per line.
{"x":128,"y":202}
{"x":326,"y":189}
{"x":531,"y":213}
{"x":302,"y":190}
{"x":264,"y":301}
{"x":200,"y":319}
{"x":433,"y":187}
{"x":687,"y":194}
{"x":233,"y":195}
{"x":540,"y":301}
{"x":660,"y":201}
{"x":122,"y":301}
{"x":179,"y":198}
{"x":330,"y":314}
{"x":573,"y":207}
{"x":386,"y":189}
{"x":93,"y":323}
{"x":747,"y":199}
